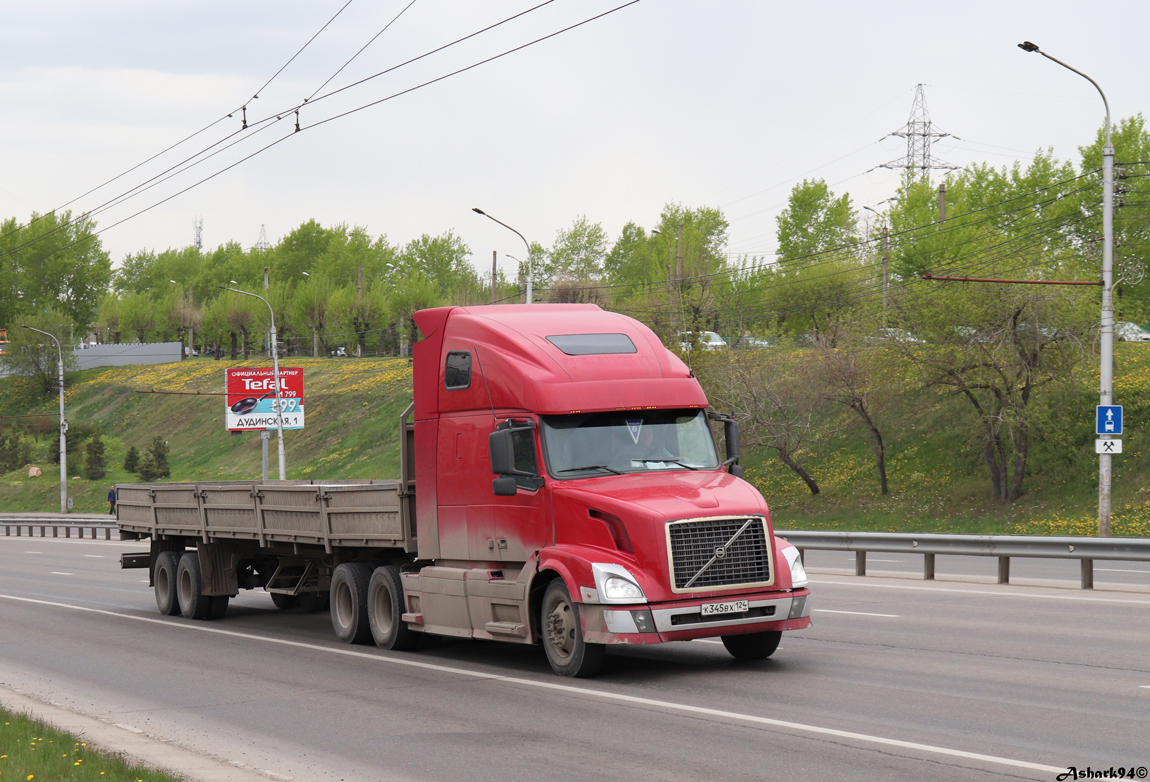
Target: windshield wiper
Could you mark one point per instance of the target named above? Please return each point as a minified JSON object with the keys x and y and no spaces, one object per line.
{"x":591,"y":467}
{"x":666,"y":461}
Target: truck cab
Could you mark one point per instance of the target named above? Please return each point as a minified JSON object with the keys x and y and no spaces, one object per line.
{"x":570,"y":493}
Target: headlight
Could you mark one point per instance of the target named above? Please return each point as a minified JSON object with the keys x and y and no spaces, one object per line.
{"x":615,"y":588}
{"x":615,"y":584}
{"x":798,"y":573}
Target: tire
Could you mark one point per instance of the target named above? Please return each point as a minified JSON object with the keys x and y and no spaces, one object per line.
{"x":284,"y":602}
{"x":349,"y":602}
{"x":310,"y":602}
{"x":385,"y":606}
{"x":753,"y":646}
{"x":567,"y":652}
{"x":218,"y":606}
{"x":194,"y":603}
{"x":165,"y":577}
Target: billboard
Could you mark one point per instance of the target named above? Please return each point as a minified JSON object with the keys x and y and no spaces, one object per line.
{"x":251,"y":399}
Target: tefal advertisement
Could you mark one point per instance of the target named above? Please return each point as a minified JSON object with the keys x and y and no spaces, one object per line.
{"x":251,"y":399}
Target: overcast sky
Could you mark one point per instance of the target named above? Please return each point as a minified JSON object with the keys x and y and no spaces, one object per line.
{"x":725,"y":103}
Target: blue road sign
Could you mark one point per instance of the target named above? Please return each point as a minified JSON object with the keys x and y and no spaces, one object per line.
{"x":1109,"y":419}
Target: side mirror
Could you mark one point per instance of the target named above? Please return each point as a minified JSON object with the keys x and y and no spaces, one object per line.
{"x":734,"y":448}
{"x":504,"y":486}
{"x":502,"y":452}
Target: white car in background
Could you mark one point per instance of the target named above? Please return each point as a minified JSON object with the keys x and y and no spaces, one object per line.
{"x":708,"y":340}
{"x":1130,"y":332}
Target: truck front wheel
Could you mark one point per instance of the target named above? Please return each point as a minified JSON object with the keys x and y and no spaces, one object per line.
{"x":567,"y":652}
{"x":385,"y":608}
{"x":349,"y":602}
{"x":753,"y":646}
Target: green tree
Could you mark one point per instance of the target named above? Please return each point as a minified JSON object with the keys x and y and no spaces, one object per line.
{"x":52,"y":262}
{"x":157,"y":458}
{"x":35,"y":355}
{"x":814,"y":222}
{"x":132,"y":459}
{"x":95,"y":463}
{"x":359,"y":313}
{"x":579,"y":251}
{"x":310,"y":309}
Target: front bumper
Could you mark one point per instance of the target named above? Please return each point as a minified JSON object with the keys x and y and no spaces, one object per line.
{"x":682,"y":620}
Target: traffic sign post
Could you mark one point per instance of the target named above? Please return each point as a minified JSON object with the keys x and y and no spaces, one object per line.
{"x":1108,"y":420}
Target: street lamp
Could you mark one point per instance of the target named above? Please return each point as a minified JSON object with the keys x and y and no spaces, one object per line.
{"x":275,"y":383}
{"x":1107,"y":335}
{"x":527,"y":244}
{"x":63,"y":423}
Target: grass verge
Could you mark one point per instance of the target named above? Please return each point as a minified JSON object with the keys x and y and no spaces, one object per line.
{"x":31,"y":751}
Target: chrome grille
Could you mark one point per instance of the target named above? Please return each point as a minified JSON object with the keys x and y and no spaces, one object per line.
{"x":693,"y":544}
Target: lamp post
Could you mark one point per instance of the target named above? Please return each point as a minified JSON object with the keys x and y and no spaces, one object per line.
{"x":63,"y":423}
{"x":275,"y":378}
{"x":1106,"y":386}
{"x":527,"y":244}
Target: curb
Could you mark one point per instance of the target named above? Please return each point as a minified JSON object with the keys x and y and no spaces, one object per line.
{"x":131,"y":743}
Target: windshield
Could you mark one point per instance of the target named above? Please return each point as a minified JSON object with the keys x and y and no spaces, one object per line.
{"x":627,"y":442}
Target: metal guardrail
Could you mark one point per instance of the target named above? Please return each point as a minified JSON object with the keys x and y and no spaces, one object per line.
{"x":56,"y":524}
{"x":1086,"y":550}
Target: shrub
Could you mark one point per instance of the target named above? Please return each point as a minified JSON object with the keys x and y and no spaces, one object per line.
{"x":132,"y":459}
{"x":95,"y":464}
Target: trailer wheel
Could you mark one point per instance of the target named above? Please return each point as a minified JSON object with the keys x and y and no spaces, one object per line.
{"x":165,"y":577}
{"x":349,"y":602}
{"x":190,"y":587}
{"x":385,"y":607}
{"x":218,"y":606}
{"x":284,"y":602}
{"x":567,"y":652}
{"x":753,"y":646}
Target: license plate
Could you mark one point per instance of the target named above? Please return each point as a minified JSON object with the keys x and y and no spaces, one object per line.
{"x":733,"y":607}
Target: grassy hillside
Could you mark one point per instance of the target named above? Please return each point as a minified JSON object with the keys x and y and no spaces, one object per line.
{"x":353,"y":408}
{"x":938,"y":482}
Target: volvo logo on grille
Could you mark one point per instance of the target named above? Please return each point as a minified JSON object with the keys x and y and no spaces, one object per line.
{"x":720,"y":552}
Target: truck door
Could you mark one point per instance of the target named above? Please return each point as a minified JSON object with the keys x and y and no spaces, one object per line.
{"x":522,"y":523}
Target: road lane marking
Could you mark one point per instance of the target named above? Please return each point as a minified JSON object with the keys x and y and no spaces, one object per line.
{"x":33,"y":552}
{"x":94,"y":556}
{"x":1144,"y":687}
{"x":58,"y":573}
{"x":565,"y":688}
{"x":867,"y":583}
{"x":1106,"y":569}
{"x":854,"y":613}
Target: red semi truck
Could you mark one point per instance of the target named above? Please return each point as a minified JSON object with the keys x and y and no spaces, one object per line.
{"x":561,"y":486}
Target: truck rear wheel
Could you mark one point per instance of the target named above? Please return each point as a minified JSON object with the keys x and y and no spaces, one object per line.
{"x":165,"y":577}
{"x":190,"y":588}
{"x":385,"y":608}
{"x":567,"y":652}
{"x":753,"y":646}
{"x":349,"y":602}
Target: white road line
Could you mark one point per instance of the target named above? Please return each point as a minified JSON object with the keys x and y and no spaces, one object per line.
{"x":33,"y":552}
{"x":564,"y":688}
{"x":854,"y":613}
{"x":864,"y":582}
{"x":1144,"y":687}
{"x":143,"y":581}
{"x":58,"y":573}
{"x":1111,"y":570}
{"x":94,"y":556}
{"x":884,"y":560}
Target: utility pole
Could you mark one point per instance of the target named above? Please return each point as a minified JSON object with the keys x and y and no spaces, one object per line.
{"x":63,"y":422}
{"x":919,"y":135}
{"x":885,"y":261}
{"x":942,"y":202}
{"x":493,"y":271}
{"x":191,"y":323}
{"x":679,"y":271}
{"x":1106,"y":341}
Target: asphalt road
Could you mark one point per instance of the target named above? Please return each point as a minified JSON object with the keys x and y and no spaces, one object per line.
{"x":897,"y":680}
